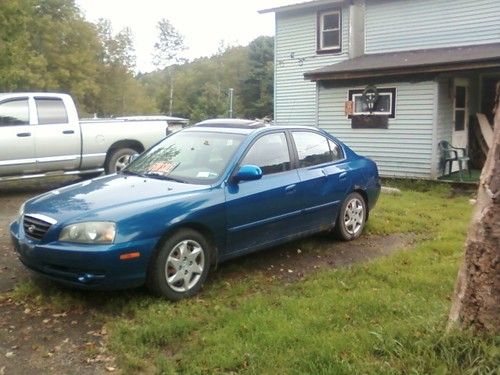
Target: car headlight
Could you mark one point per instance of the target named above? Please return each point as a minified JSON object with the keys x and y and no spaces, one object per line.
{"x":95,"y":232}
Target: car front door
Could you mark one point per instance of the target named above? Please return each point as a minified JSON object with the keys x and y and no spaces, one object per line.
{"x":17,"y":141}
{"x":57,"y":138}
{"x":265,"y":211}
{"x":324,"y":178}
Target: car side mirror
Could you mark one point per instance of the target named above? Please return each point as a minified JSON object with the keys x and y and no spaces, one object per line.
{"x":248,"y":173}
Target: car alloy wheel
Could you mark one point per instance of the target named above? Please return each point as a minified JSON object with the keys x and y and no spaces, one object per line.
{"x":184,"y":266}
{"x":180,"y":265}
{"x":352,"y":217}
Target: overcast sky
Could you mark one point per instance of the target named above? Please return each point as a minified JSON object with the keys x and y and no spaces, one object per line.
{"x":203,"y":23}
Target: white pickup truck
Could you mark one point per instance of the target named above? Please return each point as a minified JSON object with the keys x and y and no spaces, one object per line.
{"x":40,"y":135}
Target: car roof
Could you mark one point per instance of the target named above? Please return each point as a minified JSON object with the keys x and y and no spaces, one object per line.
{"x":232,"y":123}
{"x":242,"y":126}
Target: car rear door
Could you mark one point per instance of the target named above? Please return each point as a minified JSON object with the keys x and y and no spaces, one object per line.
{"x":57,"y":140}
{"x":264,"y":211}
{"x":17,"y":141}
{"x":324,"y":178}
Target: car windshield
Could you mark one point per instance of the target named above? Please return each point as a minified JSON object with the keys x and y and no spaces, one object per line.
{"x":188,"y":156}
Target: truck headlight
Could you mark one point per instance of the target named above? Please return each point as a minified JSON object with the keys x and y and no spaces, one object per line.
{"x":95,"y":232}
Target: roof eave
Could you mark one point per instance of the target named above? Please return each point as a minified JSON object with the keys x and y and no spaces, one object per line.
{"x":299,"y":6}
{"x":402,"y":71}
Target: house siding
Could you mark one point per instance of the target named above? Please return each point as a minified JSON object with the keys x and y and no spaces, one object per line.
{"x":402,"y":150}
{"x":409,"y":25}
{"x":295,"y":98}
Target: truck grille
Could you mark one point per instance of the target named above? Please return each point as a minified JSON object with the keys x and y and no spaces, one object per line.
{"x":34,"y":227}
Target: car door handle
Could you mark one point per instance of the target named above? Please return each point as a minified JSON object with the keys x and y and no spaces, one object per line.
{"x":68,"y":132}
{"x":343,"y":176}
{"x":24,"y":134}
{"x":290,"y":189}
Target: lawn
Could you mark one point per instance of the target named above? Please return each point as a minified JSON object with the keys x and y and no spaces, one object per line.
{"x":383,"y":317}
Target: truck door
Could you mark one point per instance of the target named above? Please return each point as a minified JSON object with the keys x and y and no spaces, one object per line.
{"x":57,"y":139}
{"x":17,"y":141}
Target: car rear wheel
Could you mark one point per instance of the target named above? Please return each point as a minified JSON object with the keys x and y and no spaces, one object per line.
{"x":181,"y":265}
{"x":352,"y":218}
{"x":119,"y":159}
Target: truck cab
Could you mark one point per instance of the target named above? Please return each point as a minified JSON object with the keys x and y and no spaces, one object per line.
{"x":38,"y":132}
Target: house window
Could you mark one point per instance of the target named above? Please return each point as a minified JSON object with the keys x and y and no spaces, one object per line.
{"x":329,"y":31}
{"x":384,"y":105}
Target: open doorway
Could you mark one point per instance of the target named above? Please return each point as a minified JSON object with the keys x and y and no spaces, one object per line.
{"x":488,"y":85}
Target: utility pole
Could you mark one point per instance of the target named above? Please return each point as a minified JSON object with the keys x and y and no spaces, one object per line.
{"x":171,"y":104}
{"x":231,"y":90}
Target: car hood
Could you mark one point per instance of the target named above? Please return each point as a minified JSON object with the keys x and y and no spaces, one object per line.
{"x":89,"y":198}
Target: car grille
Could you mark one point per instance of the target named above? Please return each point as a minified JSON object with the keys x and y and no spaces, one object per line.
{"x":34,"y":227}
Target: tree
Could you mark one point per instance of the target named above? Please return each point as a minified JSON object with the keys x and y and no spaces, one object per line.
{"x":476,"y":302}
{"x":170,"y":43}
{"x":257,"y":90}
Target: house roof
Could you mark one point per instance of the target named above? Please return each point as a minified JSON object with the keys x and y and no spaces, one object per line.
{"x":436,"y":60}
{"x":300,"y":5}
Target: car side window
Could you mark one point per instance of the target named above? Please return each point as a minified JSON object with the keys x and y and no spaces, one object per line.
{"x":312,"y":149}
{"x":270,"y":153}
{"x":14,"y":112}
{"x":51,"y":111}
{"x":337,"y":152}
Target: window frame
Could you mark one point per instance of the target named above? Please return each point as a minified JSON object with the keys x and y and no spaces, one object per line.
{"x":320,"y":49}
{"x":391,"y":91}
{"x":47,"y":98}
{"x":328,"y":141}
{"x":291,"y":153}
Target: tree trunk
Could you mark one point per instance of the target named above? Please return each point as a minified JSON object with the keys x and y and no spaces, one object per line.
{"x":476,"y":302}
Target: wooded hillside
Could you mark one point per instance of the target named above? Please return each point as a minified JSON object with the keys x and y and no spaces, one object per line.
{"x":47,"y":45}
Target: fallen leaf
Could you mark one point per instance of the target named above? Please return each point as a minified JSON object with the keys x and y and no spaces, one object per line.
{"x":110,"y":369}
{"x":9,"y":354}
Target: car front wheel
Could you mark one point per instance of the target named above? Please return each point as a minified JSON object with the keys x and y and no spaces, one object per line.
{"x":181,"y":265}
{"x":352,"y":218}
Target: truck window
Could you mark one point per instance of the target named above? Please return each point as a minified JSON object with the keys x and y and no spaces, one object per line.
{"x":51,"y":111}
{"x":14,"y":112}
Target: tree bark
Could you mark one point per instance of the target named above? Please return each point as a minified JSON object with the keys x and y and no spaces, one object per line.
{"x":476,"y":302}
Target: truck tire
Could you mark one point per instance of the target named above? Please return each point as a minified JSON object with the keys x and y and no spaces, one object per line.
{"x":118,"y":159}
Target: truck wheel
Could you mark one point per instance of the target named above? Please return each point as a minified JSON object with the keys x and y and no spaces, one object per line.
{"x":118,"y":159}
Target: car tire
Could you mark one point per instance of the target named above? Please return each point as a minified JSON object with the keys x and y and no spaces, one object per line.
{"x":352,"y":218}
{"x":118,"y":159}
{"x":180,"y":267}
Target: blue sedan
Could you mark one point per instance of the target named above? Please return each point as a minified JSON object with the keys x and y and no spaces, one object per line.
{"x":211,"y":192}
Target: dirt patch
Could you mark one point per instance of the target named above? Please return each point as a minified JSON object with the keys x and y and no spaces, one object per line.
{"x":35,"y":340}
{"x":47,"y":341}
{"x":298,"y":259}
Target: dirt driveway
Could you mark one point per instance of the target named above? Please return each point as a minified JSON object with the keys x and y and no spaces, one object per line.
{"x":48,"y":341}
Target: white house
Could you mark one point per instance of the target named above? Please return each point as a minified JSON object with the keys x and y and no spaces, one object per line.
{"x":391,"y":78}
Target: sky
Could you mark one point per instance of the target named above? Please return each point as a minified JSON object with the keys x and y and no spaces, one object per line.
{"x":203,"y":23}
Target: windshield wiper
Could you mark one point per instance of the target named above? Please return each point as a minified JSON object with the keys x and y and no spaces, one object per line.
{"x":163,"y":177}
{"x":126,"y":171}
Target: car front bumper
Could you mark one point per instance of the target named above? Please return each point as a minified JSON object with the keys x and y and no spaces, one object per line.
{"x":97,"y":267}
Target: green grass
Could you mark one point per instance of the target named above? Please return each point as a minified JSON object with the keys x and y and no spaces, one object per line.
{"x":383,"y":317}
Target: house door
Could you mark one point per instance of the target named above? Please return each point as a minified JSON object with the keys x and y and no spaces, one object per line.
{"x":460,"y":114}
